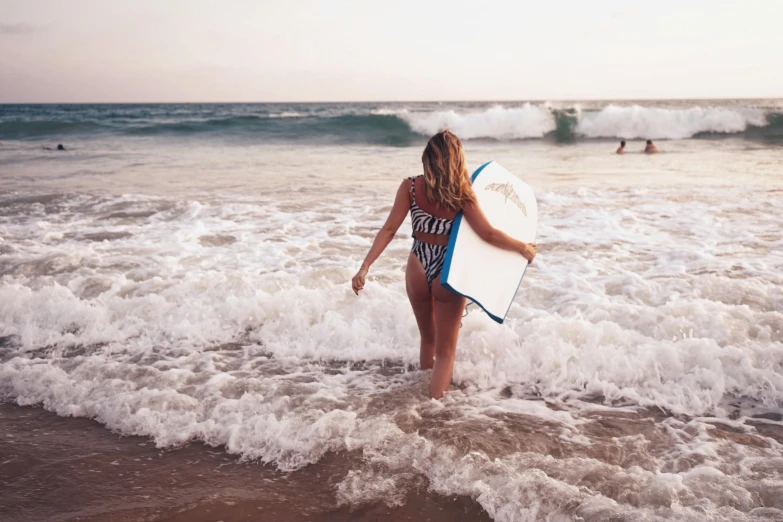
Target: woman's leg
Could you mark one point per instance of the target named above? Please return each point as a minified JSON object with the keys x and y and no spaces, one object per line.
{"x":448,"y":314}
{"x":421,"y":300}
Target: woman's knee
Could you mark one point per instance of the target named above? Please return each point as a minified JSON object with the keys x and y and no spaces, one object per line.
{"x":447,"y":348}
{"x":427,"y":336}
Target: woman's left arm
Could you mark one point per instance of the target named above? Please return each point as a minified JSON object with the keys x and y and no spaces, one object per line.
{"x":385,"y":234}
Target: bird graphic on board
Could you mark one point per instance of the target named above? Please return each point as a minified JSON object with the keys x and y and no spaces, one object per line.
{"x":508,"y":191}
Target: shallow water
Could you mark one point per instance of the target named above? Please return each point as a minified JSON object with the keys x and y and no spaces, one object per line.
{"x":57,"y":468}
{"x":190,"y":289}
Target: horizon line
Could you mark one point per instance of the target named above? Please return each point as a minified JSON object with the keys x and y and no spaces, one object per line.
{"x":488,"y":100}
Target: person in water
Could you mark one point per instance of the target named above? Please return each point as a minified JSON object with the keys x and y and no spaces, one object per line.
{"x":650,"y":148}
{"x":434,"y":199}
{"x":59,"y":147}
{"x":621,"y":148}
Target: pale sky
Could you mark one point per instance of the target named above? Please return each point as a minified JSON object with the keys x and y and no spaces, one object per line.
{"x":341,"y":50}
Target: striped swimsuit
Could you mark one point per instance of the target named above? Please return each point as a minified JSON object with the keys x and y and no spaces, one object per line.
{"x":430,"y":256}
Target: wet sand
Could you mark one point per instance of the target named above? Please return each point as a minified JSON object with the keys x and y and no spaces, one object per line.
{"x":67,"y":469}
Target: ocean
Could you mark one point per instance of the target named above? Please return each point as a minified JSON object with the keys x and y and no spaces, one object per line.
{"x":181,"y":273}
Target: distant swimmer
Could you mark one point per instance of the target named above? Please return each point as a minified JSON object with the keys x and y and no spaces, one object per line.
{"x":59,"y":147}
{"x":621,"y":148}
{"x":650,"y":148}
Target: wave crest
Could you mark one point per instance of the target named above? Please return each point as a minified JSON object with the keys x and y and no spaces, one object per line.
{"x":657,"y":123}
{"x":528,"y":121}
{"x":565,"y":125}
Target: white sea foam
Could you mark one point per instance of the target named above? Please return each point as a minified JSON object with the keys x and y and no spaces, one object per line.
{"x":229,"y":320}
{"x":536,"y":121}
{"x":660,"y":123}
{"x":528,"y":121}
{"x":289,"y":114}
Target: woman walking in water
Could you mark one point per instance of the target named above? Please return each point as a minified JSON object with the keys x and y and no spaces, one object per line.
{"x":434,"y":199}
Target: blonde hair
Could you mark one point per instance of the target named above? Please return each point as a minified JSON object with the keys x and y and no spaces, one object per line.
{"x":446,"y":179}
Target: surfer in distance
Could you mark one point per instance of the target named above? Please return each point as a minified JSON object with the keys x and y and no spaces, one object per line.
{"x":434,"y":199}
{"x":650,"y":148}
{"x":621,"y":148}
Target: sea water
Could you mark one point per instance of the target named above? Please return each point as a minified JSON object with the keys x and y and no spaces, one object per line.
{"x":183,"y":272}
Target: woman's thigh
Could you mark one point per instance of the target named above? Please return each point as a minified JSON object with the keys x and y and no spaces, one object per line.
{"x":445,"y":296}
{"x":416,"y":280}
{"x":448,"y":311}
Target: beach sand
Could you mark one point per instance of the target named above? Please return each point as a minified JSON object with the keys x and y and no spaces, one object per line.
{"x":62,"y":468}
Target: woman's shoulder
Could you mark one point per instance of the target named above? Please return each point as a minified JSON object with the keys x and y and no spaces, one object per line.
{"x":407,"y":186}
{"x":410,"y":181}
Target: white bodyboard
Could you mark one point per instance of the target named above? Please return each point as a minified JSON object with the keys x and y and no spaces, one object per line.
{"x":485,"y":274}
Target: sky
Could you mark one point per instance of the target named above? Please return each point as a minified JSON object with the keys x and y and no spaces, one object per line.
{"x":400,"y":50}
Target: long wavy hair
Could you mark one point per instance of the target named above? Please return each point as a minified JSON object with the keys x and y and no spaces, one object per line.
{"x":446,"y":179}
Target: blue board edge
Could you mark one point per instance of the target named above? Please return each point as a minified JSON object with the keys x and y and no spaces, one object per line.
{"x":444,"y":275}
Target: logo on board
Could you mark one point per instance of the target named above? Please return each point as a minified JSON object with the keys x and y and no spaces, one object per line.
{"x":511,"y":195}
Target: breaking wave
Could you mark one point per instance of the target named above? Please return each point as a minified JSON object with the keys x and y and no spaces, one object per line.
{"x":396,"y":125}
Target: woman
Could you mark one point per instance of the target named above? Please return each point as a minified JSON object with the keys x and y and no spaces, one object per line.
{"x":434,"y":199}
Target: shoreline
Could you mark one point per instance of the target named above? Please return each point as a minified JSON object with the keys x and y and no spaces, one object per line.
{"x":66,"y":469}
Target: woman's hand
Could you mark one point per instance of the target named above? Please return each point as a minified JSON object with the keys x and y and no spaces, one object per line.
{"x":528,"y":251}
{"x":357,"y":283}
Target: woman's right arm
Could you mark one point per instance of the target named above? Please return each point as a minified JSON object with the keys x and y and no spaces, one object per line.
{"x":478,"y":222}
